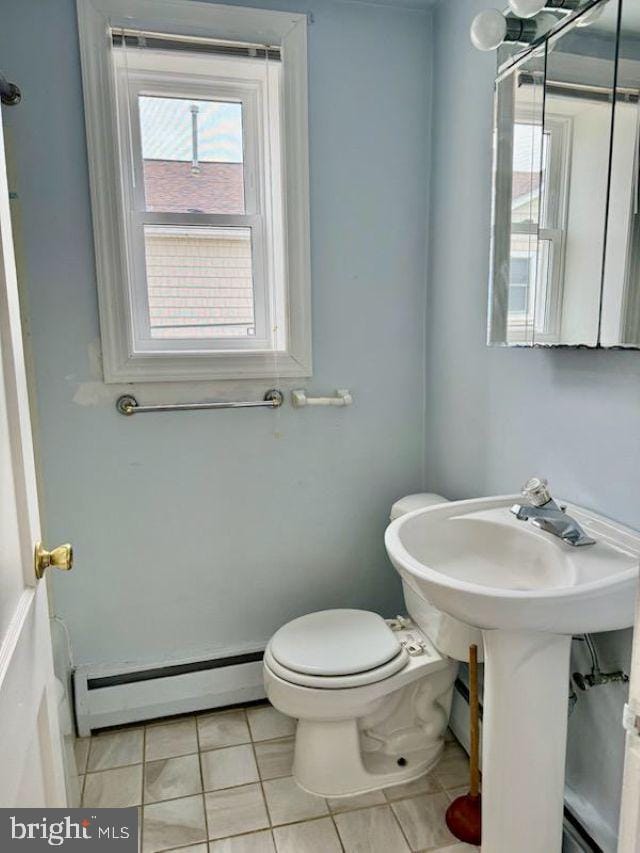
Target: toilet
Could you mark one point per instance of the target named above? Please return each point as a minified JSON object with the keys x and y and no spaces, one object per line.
{"x":372,"y":697}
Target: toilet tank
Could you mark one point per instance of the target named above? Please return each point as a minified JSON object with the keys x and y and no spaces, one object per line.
{"x":450,"y":636}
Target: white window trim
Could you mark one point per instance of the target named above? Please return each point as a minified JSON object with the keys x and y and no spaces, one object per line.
{"x":288,"y":31}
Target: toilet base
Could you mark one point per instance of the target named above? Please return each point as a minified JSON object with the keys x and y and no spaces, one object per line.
{"x":364,"y":737}
{"x":329,"y":760}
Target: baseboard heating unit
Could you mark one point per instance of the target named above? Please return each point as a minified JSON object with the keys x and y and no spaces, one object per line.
{"x":111,"y":695}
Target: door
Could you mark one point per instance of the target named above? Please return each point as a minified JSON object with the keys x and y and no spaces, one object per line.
{"x":31,"y":764}
{"x":629,"y":835}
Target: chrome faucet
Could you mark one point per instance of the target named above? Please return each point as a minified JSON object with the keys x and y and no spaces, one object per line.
{"x":546,"y":514}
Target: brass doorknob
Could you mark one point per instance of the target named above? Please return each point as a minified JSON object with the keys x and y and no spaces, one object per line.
{"x":60,"y":558}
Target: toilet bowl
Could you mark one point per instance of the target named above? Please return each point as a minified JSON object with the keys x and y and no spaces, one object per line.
{"x":372,"y":697}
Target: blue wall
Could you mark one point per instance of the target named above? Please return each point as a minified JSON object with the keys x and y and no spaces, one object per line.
{"x":496,"y":416}
{"x":204,"y":531}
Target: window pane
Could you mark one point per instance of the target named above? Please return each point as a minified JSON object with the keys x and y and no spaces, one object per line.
{"x":192,"y":155}
{"x":200,"y":282}
{"x":520,"y":270}
{"x":517,"y":299}
{"x":527,"y":141}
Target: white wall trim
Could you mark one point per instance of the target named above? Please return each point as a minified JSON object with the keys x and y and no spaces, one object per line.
{"x":289,"y":31}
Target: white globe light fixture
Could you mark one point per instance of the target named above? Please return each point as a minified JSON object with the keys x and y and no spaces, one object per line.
{"x":490,"y":29}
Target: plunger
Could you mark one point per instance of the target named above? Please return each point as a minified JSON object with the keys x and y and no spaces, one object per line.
{"x":464,"y":815}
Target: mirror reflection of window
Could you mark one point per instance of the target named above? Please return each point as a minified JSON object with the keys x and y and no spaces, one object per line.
{"x":554,"y":116}
{"x":580,"y":73}
{"x":517,"y":186}
{"x":525,"y":214}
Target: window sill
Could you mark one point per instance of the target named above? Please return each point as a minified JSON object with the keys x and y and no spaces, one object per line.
{"x":186,"y":368}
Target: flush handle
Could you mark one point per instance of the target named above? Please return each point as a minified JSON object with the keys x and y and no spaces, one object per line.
{"x":60,"y":558}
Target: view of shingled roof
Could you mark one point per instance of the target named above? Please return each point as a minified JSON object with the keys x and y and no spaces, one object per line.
{"x":525,"y":184}
{"x":172,"y":187}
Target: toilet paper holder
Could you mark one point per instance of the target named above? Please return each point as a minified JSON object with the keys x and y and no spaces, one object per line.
{"x":342,"y":397}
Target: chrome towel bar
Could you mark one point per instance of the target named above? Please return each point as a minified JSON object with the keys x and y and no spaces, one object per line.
{"x":128,"y":405}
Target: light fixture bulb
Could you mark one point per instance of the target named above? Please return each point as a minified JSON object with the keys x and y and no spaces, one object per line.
{"x":488,"y":29}
{"x":527,"y":8}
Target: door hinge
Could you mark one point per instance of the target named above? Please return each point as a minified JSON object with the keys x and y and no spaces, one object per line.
{"x":631,"y":719}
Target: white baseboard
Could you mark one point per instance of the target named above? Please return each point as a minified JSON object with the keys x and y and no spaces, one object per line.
{"x":112,"y":695}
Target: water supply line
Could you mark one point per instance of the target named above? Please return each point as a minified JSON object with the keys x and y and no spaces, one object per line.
{"x":596,"y":677}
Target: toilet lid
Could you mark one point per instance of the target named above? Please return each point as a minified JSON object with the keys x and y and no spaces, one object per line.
{"x":335,"y":642}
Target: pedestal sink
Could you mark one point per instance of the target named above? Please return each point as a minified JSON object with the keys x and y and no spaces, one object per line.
{"x":529,"y":592}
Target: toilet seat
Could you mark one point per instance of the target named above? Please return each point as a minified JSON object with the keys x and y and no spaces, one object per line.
{"x":335,"y":649}
{"x":336,"y":682}
{"x":335,"y":642}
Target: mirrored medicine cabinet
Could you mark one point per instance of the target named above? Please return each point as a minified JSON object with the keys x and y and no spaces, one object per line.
{"x":565,"y":250}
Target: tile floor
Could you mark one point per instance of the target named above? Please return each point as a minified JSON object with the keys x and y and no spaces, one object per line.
{"x":221,"y":783}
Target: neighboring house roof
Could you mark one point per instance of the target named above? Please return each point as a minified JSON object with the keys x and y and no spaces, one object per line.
{"x":524,"y":184}
{"x":172,"y":187}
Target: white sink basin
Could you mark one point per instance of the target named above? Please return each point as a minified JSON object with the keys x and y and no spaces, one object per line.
{"x":528,"y":591}
{"x":476,"y":561}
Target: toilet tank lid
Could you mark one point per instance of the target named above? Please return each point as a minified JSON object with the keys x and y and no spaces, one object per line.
{"x":412,"y":502}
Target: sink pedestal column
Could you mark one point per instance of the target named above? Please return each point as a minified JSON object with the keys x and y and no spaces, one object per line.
{"x":524,"y":732}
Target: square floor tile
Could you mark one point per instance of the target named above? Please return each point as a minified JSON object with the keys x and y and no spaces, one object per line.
{"x":256,"y":842}
{"x":235,"y":810}
{"x":170,"y":778}
{"x":427,"y":784}
{"x":457,"y":848}
{"x":117,"y":788}
{"x":194,"y":848}
{"x":422,"y":821}
{"x":171,"y":739}
{"x":266,"y":723}
{"x":115,"y":749}
{"x":225,"y":768}
{"x":229,"y":728}
{"x":287,"y":802}
{"x":81,"y":750}
{"x":453,"y":768}
{"x":370,"y":831}
{"x":175,"y":823}
{"x":312,"y":836}
{"x":359,"y":801}
{"x":275,"y":757}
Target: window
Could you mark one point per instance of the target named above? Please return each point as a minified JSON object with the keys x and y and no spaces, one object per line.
{"x":554,"y":198}
{"x":519,"y":283}
{"x":198,"y":160}
{"x":538,"y":226}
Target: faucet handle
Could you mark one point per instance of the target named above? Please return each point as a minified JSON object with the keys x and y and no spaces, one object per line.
{"x":536,"y":491}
